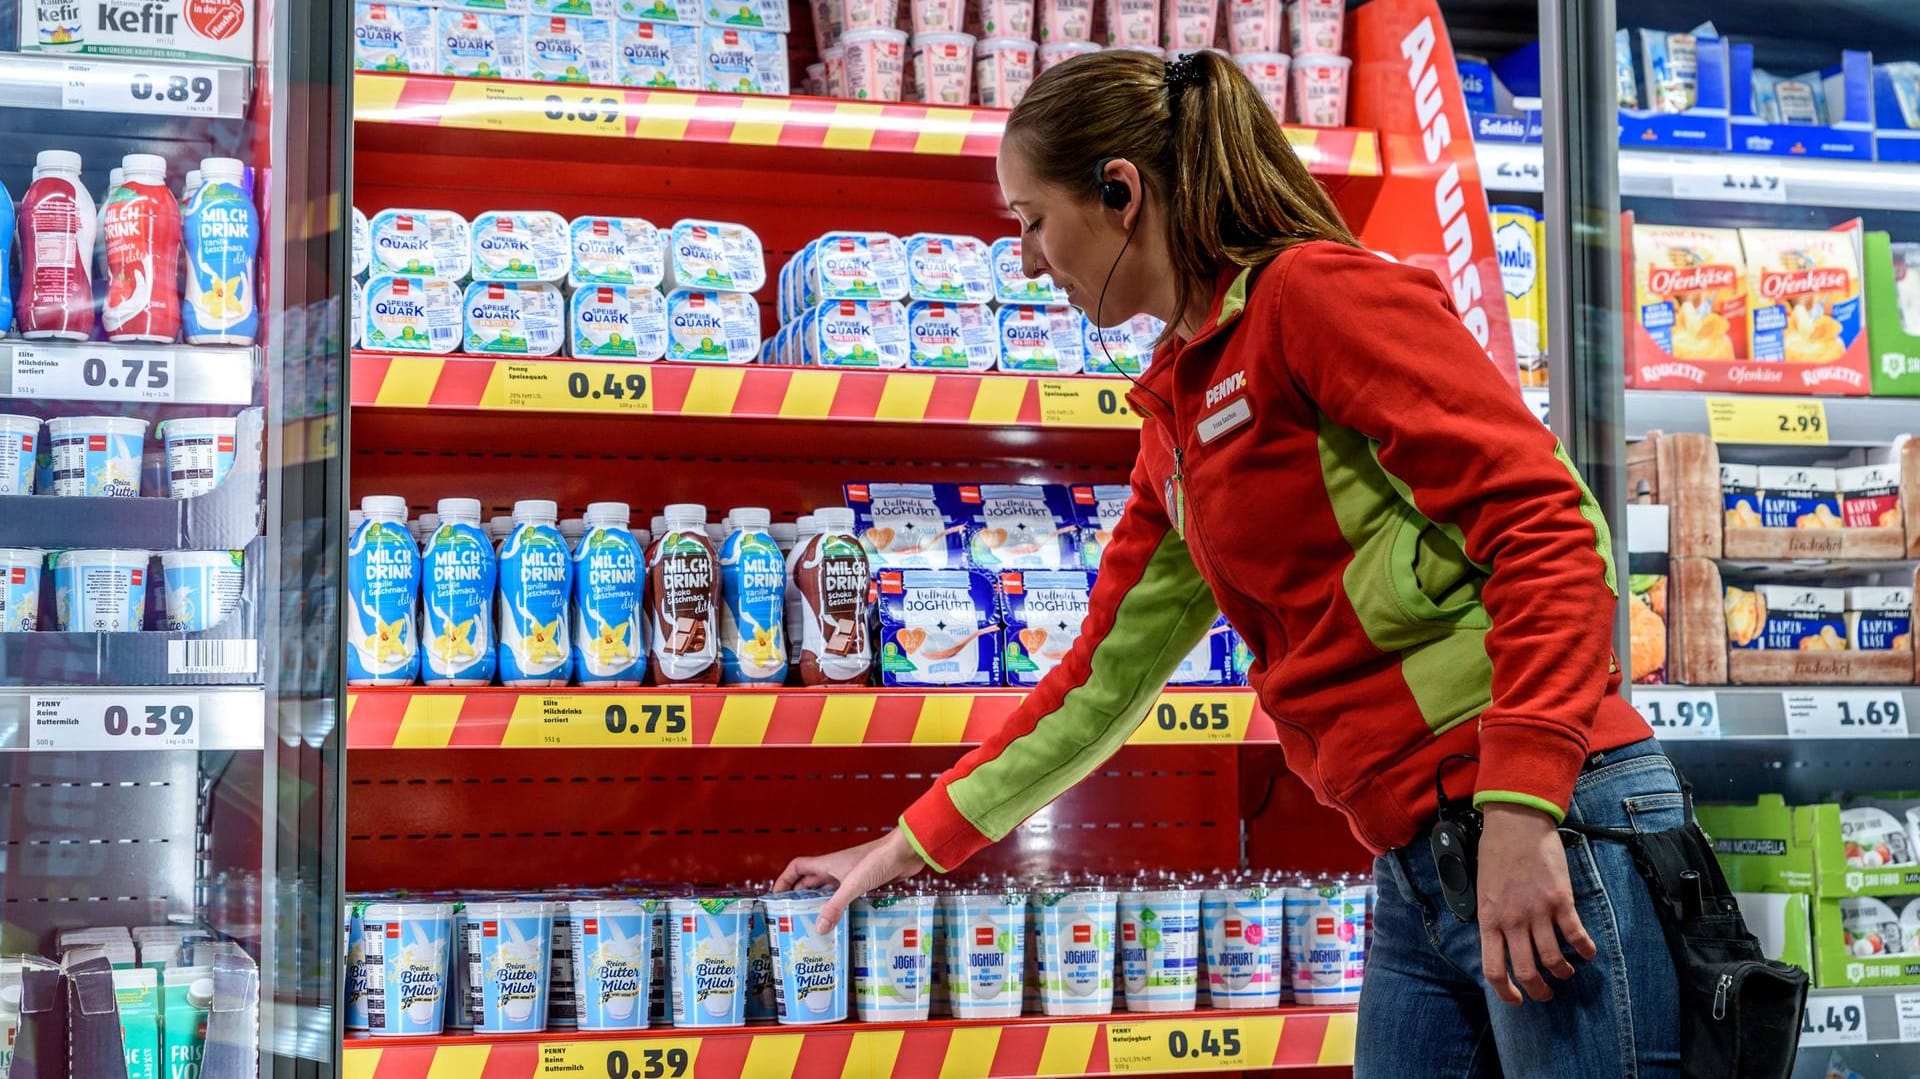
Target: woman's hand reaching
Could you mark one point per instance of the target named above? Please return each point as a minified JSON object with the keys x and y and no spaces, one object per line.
{"x":852,"y":872}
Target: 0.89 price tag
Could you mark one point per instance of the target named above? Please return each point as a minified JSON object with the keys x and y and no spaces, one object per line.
{"x":1834,"y":1020}
{"x":1846,"y":713}
{"x":90,"y":721}
{"x":1679,"y":713}
{"x":158,"y":89}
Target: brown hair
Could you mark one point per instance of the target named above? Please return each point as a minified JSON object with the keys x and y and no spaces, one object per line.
{"x":1236,"y":194}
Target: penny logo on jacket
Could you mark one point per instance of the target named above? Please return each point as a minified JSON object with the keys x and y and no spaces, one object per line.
{"x":1216,"y":420}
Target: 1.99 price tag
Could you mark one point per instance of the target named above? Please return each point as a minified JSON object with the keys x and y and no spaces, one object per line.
{"x":90,"y":721}
{"x":1678,"y":714}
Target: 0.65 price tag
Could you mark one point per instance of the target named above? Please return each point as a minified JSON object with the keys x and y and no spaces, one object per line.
{"x":1835,"y":1020}
{"x":580,"y":720}
{"x":1083,"y":403}
{"x":654,"y":1058}
{"x":1778,"y":421}
{"x":158,"y":89}
{"x":1185,"y":1045}
{"x":1678,"y":714}
{"x":1846,"y":713}
{"x":91,"y":721}
{"x":569,"y":387}
{"x":95,"y":372}
{"x":1196,"y":717}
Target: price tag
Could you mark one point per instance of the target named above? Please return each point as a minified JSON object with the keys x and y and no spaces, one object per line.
{"x":1679,"y":713}
{"x":581,"y":112}
{"x":1846,"y":713}
{"x":1907,"y":1007}
{"x":1196,"y":717}
{"x":569,"y":387}
{"x":654,"y":1058}
{"x":1783,"y":421}
{"x":1834,"y":1020}
{"x":1519,"y":175}
{"x":92,"y":721}
{"x":1733,"y":185}
{"x":93,"y":372}
{"x":1083,"y":403}
{"x":159,"y":89}
{"x":1188,"y":1045}
{"x":573,"y":721}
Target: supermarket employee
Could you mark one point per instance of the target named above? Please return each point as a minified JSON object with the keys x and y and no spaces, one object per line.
{"x":1328,"y":458}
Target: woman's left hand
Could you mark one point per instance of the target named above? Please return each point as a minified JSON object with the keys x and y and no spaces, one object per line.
{"x":1525,"y":903}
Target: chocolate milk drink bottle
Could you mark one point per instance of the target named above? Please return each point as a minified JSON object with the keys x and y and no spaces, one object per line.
{"x":753,"y":608}
{"x":536,"y":581}
{"x":683,"y":615}
{"x":832,"y":576}
{"x":57,"y":226}
{"x":141,"y":222}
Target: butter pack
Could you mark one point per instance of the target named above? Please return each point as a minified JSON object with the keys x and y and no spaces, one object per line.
{"x":938,"y":628}
{"x":1786,"y":618}
{"x":1043,"y":610}
{"x":1799,"y":497}
{"x":1805,"y":300}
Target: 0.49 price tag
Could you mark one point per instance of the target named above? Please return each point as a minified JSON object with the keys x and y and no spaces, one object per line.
{"x":89,"y":721}
{"x":565,"y":387}
{"x":1679,"y":713}
{"x":1836,"y":1020}
{"x":158,"y":89}
{"x":1846,"y":713}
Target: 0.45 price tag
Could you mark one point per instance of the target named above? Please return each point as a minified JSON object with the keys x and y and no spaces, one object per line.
{"x":1678,"y":714}
{"x":1846,"y":713}
{"x":1762,"y":421}
{"x":1835,"y":1020}
{"x":157,"y":89}
{"x":91,"y":721}
{"x":580,"y":720}
{"x":1187,"y":1045}
{"x":654,"y":1058}
{"x":95,"y":372}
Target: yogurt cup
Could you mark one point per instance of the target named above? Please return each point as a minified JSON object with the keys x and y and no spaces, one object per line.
{"x":1160,"y":949}
{"x":1329,"y":943}
{"x":715,"y":255}
{"x":612,"y":943}
{"x":413,"y":313}
{"x":201,"y":587}
{"x":1073,"y":937}
{"x":1268,"y":71}
{"x":1133,"y":22}
{"x":810,"y":969}
{"x":514,"y":318}
{"x":1189,"y":24}
{"x":99,"y":591}
{"x":1041,"y":339}
{"x":1320,"y":90}
{"x":19,"y":438}
{"x":892,"y":957}
{"x":943,"y":68}
{"x":616,"y":251}
{"x":835,"y":59}
{"x":1314,"y":27}
{"x":405,"y":953}
{"x":20,"y":589}
{"x":829,"y":21}
{"x":1059,"y":51}
{"x":1066,"y":20}
{"x":1010,"y":285}
{"x":986,"y":953}
{"x":1002,"y":70}
{"x":709,"y":957}
{"x":760,"y":974}
{"x":938,"y":16}
{"x":867,"y":15}
{"x":97,"y":456}
{"x":1011,"y":19}
{"x":1246,"y":945}
{"x":875,"y":60}
{"x":521,"y":245}
{"x":617,"y":322}
{"x":1253,"y":26}
{"x":951,"y":336}
{"x":199,"y":453}
{"x":953,"y":268}
{"x":431,"y":243}
{"x":509,"y":948}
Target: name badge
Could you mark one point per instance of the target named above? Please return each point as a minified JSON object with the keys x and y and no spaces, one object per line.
{"x":1214,"y":425}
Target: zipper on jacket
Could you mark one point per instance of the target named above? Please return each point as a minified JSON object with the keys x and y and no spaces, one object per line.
{"x":1720,"y":996}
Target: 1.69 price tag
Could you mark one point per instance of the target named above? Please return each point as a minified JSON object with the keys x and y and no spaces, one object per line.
{"x":93,"y":372}
{"x":159,"y":89}
{"x":1846,"y":713}
{"x":1837,"y":1020}
{"x":91,"y":721}
{"x":1678,"y":714}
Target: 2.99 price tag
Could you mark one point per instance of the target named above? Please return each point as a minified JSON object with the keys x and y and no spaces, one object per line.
{"x":93,"y":372}
{"x":1834,"y":1020}
{"x":1678,"y":714}
{"x":159,"y":89}
{"x":1762,"y":421}
{"x":90,"y":721}
{"x":1846,"y":713}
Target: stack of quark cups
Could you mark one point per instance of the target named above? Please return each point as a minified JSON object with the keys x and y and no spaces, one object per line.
{"x":1320,"y":73}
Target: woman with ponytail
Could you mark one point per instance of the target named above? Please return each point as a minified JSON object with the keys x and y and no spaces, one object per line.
{"x":1426,"y":585}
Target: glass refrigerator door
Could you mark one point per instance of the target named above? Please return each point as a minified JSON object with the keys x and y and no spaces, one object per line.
{"x":170,"y":351}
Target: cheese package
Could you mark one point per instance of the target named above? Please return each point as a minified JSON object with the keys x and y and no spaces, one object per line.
{"x":658,"y":55}
{"x":1516,"y":240}
{"x":1689,"y":290}
{"x":909,"y":525}
{"x":1869,"y":496}
{"x":1796,"y":497}
{"x":1018,"y":526}
{"x":1043,"y":340}
{"x":1880,"y":619}
{"x":515,"y":318}
{"x":569,"y":49}
{"x":1740,"y":494}
{"x":937,"y":628}
{"x":1805,"y":302}
{"x":1785,"y":618}
{"x":1043,"y":611}
{"x":481,"y":45}
{"x":951,"y":336}
{"x":412,"y":314}
{"x":521,"y":245}
{"x":1096,"y":509}
{"x":197,"y":30}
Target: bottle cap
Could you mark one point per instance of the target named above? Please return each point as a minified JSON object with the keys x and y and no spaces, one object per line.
{"x":64,"y":160}
{"x":687,"y":517}
{"x":464,"y":510}
{"x":608,"y":513}
{"x":227,"y":170}
{"x":143,"y":166}
{"x":753,"y":517}
{"x":539,"y":511}
{"x":806,"y":526}
{"x":384,"y":508}
{"x":834,"y":519}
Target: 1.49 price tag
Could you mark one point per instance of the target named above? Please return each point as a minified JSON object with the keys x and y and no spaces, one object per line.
{"x":1679,"y":713}
{"x":91,"y":721}
{"x":158,"y":89}
{"x":1846,"y":713}
{"x":1840,"y":1020}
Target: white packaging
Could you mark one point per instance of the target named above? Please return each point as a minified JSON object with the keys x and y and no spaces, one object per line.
{"x":569,"y":49}
{"x":857,"y":333}
{"x":876,"y":61}
{"x":658,"y":55}
{"x":943,"y":68}
{"x":617,"y":250}
{"x":476,"y":44}
{"x":854,"y":266}
{"x":206,"y":30}
{"x":1011,"y":285}
{"x":407,"y":313}
{"x":951,"y":336}
{"x":1189,"y":24}
{"x":362,"y":252}
{"x":1002,"y":71}
{"x":1320,"y":90}
{"x":739,"y":61}
{"x":428,"y":243}
{"x":1133,"y":23}
{"x":396,"y":38}
{"x":1043,"y":340}
{"x":707,"y":326}
{"x":514,"y":318}
{"x":749,"y":15}
{"x":617,"y":322}
{"x":678,"y":12}
{"x":521,"y":245}
{"x":1270,"y":74}
{"x":715,"y":255}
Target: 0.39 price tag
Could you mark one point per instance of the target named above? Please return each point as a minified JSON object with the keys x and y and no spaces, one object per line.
{"x":1834,"y":1020}
{"x":158,"y":89}
{"x":654,"y":1058}
{"x":1846,"y":713}
{"x":1185,"y":1045}
{"x":90,"y":721}
{"x":579,"y":720}
{"x":94,"y":372}
{"x":1679,"y":713}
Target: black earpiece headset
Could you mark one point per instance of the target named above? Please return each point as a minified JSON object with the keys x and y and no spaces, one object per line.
{"x":1113,"y":194}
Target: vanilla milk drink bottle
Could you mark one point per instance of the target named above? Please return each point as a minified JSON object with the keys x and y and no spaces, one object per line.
{"x":609,"y":610}
{"x":457,"y":579}
{"x":536,"y":582}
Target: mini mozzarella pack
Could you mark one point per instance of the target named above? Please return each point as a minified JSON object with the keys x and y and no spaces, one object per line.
{"x":708,"y":326}
{"x":1043,"y":340}
{"x":1018,"y":526}
{"x":1012,"y":286}
{"x":429,"y":243}
{"x":521,"y":245}
{"x":853,"y":333}
{"x":570,"y":49}
{"x":956,"y":269}
{"x":407,"y":313}
{"x":617,"y":322}
{"x":1044,"y":610}
{"x":736,"y":61}
{"x":938,"y":628}
{"x":946,"y":336}
{"x":715,"y":255}
{"x":515,"y":318}
{"x":909,"y":525}
{"x":616,"y":251}
{"x":658,"y":55}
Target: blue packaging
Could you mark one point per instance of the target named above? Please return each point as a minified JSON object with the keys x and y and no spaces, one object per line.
{"x":709,"y":958}
{"x":810,"y":969}
{"x":569,"y":49}
{"x":1125,"y":349}
{"x":609,"y":601}
{"x":1043,"y":611}
{"x":1073,"y":948}
{"x":854,"y":266}
{"x":612,"y":942}
{"x":1097,"y":508}
{"x":736,"y":61}
{"x":200,"y":588}
{"x":20,"y":589}
{"x":938,"y":628}
{"x":383,"y":595}
{"x":761,"y":987}
{"x":509,"y":948}
{"x":1211,"y":662}
{"x":1019,"y":526}
{"x":657,"y":55}
{"x":951,"y":268}
{"x":6,"y":264}
{"x":19,"y":439}
{"x":481,"y":45}
{"x":221,"y":232}
{"x":909,"y":525}
{"x":944,"y":336}
{"x":1330,"y":950}
{"x":100,"y":591}
{"x":1042,"y":340}
{"x":405,"y":954}
{"x":1246,"y":946}
{"x":1160,"y":949}
{"x":856,"y":333}
{"x":753,"y":603}
{"x":891,"y":944}
{"x":458,"y":574}
{"x":536,"y":581}
{"x":1476,"y":84}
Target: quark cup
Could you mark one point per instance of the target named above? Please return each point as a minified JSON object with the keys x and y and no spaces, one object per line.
{"x":1160,"y":949}
{"x":875,"y":62}
{"x":868,"y":15}
{"x":1189,"y":24}
{"x":1065,"y":20}
{"x":97,"y":456}
{"x":1320,"y":90}
{"x":612,"y":944}
{"x":1246,"y":945}
{"x":1003,"y":69}
{"x":1253,"y":26}
{"x":986,"y":953}
{"x":892,"y":957}
{"x":836,"y":60}
{"x":509,"y":948}
{"x":1268,"y":71}
{"x":1314,"y":27}
{"x":201,"y":587}
{"x":20,"y":589}
{"x":938,"y":16}
{"x":1329,"y":943}
{"x":709,"y":958}
{"x":1133,"y":22}
{"x":1073,"y":940}
{"x":943,"y":68}
{"x":406,"y":950}
{"x":1006,"y":19}
{"x":829,"y":21}
{"x":19,"y":441}
{"x":100,"y":591}
{"x":1056,"y":51}
{"x":810,"y":969}
{"x":199,"y":453}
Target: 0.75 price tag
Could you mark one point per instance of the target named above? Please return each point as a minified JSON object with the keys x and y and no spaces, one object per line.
{"x":573,"y":721}
{"x":90,"y":721}
{"x":1777,"y":421}
{"x":1679,"y":713}
{"x":1835,"y":1020}
{"x":1846,"y":713}
{"x":157,"y":89}
{"x":1187,"y":1045}
{"x":94,"y":372}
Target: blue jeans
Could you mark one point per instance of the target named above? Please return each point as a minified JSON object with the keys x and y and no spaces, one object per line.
{"x":1426,"y":1010}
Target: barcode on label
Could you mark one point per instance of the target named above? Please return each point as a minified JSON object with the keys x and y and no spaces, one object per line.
{"x":240,"y":656}
{"x":744,"y":346}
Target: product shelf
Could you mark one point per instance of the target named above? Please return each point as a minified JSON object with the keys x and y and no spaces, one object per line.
{"x":77,"y":718}
{"x":1733,"y":179}
{"x":1849,"y":421}
{"x":138,"y":374}
{"x":1126,"y":1044}
{"x":574,"y":718}
{"x":1800,"y":713}
{"x":129,"y":86}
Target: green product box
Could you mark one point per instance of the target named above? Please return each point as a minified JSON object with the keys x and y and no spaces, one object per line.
{"x":1866,"y":941}
{"x":1783,"y":922}
{"x":1895,"y":351}
{"x":188,"y":996}
{"x":1773,"y":847}
{"x":137,"y":994}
